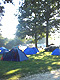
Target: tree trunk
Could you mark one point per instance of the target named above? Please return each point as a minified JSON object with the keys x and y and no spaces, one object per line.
{"x":36,"y":40}
{"x":47,"y":35}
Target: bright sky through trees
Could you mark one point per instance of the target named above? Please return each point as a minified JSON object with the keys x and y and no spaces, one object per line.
{"x":9,"y":20}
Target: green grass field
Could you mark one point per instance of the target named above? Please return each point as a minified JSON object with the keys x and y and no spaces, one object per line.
{"x":37,"y":63}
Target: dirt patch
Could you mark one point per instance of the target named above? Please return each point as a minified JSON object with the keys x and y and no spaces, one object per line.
{"x":53,"y":75}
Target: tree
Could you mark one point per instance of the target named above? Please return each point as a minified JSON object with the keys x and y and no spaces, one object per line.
{"x":10,"y":44}
{"x":1,"y":40}
{"x":50,"y":8}
{"x":30,"y":21}
{"x":17,"y":41}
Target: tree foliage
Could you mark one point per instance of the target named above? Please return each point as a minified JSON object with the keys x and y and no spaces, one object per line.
{"x":30,"y":21}
{"x":32,"y":15}
{"x":1,"y":41}
{"x":9,"y":43}
{"x":13,"y":42}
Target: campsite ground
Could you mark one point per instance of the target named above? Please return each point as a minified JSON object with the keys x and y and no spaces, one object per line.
{"x":39,"y":64}
{"x":52,"y":75}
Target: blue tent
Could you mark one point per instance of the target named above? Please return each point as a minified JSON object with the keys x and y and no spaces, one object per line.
{"x":14,"y":55}
{"x":30,"y":51}
{"x":56,"y":52}
{"x":3,"y":49}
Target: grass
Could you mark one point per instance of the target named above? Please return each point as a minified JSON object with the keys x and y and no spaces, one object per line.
{"x":37,"y":63}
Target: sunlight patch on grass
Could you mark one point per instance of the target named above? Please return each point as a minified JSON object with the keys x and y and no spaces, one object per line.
{"x":28,"y":55}
{"x":41,"y":68}
{"x":47,"y":53}
{"x":41,"y":50}
{"x":49,"y":67}
{"x":58,"y":63}
{"x":12,"y":71}
{"x":39,"y":57}
{"x":15,"y":77}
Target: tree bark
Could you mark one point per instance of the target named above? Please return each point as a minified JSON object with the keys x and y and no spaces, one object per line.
{"x":47,"y":35}
{"x":36,"y":40}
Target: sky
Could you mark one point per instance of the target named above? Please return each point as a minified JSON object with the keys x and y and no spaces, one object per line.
{"x":9,"y":20}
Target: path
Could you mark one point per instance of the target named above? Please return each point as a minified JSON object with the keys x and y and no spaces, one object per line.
{"x":53,"y":75}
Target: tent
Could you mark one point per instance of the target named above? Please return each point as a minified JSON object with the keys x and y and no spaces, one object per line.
{"x":30,"y":51}
{"x":56,"y":52}
{"x":14,"y":55}
{"x":3,"y":49}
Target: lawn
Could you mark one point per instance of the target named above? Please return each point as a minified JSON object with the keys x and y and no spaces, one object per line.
{"x":37,"y":63}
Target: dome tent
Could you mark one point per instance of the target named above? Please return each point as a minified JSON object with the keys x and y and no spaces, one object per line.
{"x":3,"y":49}
{"x":30,"y":51}
{"x":14,"y":55}
{"x":56,"y":52}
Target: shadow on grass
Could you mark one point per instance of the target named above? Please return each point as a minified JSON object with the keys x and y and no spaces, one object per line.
{"x":37,"y":63}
